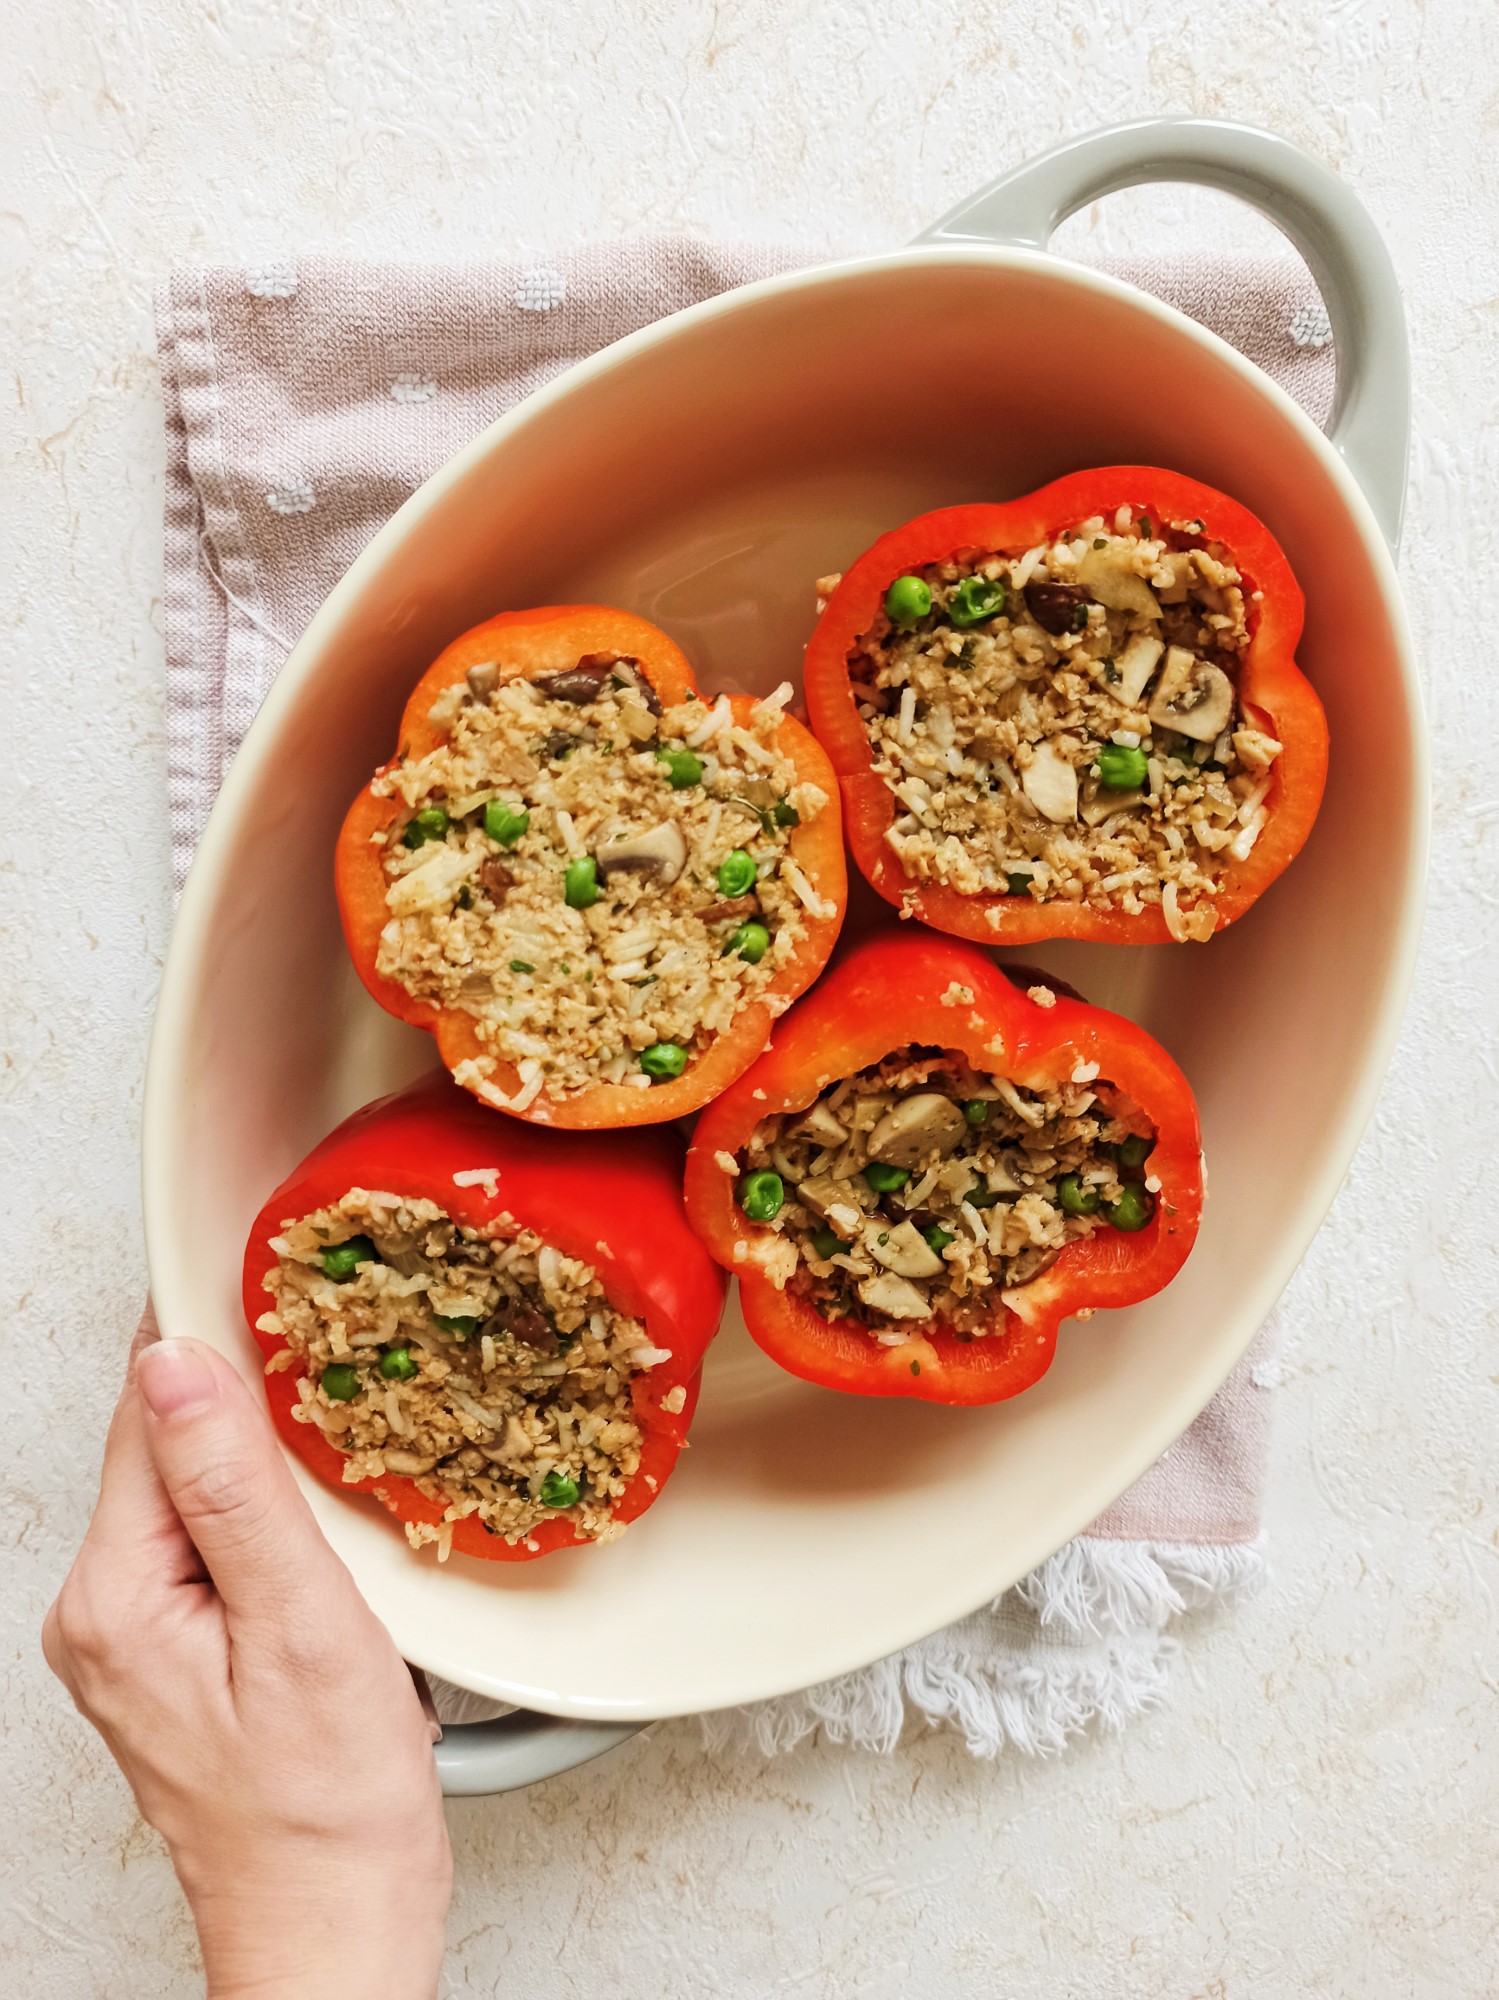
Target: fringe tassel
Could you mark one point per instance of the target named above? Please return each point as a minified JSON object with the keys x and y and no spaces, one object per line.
{"x":1081,"y":1642}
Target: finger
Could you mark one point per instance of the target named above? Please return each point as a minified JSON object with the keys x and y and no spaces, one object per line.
{"x":223,"y":1470}
{"x":133,"y":1513}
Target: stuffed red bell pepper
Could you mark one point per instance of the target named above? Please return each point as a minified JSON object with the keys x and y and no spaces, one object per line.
{"x":931,"y":1168}
{"x":1075,"y":714}
{"x":594,"y":886}
{"x":495,"y":1331}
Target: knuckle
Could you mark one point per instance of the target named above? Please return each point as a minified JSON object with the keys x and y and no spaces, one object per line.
{"x":221,"y":1491}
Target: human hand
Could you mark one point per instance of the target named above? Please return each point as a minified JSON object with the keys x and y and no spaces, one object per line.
{"x":265,"y":1722}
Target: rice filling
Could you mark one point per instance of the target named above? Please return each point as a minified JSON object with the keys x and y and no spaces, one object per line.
{"x":486,"y":1367}
{"x":920,"y":1188}
{"x":601,"y":885}
{"x":1065,"y":723}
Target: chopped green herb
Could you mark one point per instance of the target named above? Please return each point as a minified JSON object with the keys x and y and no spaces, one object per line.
{"x":521,"y":965}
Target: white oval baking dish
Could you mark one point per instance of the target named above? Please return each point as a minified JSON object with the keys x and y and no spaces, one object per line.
{"x":702,"y":472}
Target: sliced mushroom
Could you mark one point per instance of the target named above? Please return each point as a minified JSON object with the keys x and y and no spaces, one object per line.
{"x":407,"y":1463}
{"x":1193,"y":698}
{"x":819,"y":1192}
{"x":496,"y":880}
{"x":580,"y":683}
{"x":483,"y":679}
{"x":1135,"y":664}
{"x":1106,"y":575}
{"x":626,"y":668}
{"x":1055,"y":606}
{"x":1050,"y":783}
{"x":660,"y":851}
{"x":1103,"y":805}
{"x":732,"y":909}
{"x":919,"y":1126}
{"x":902,"y":1249}
{"x":896,"y":1298}
{"x":1030,"y":1263}
{"x":820,"y":1124}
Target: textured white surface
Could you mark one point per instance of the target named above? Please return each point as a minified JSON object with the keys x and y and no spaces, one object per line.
{"x":1307,"y":1815}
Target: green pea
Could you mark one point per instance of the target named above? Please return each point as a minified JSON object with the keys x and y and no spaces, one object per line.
{"x":907,"y":600}
{"x":557,"y":1490}
{"x":938,"y":1238}
{"x":1019,"y":884}
{"x":663,"y":1059}
{"x":1134,"y":1150}
{"x":883,"y":1178}
{"x":505,"y":823}
{"x":736,"y":873}
{"x":1076,"y":1197}
{"x":1133,"y":1209}
{"x":750,"y":942}
{"x":981,"y":1195}
{"x":344,"y":1259}
{"x":431,"y":823}
{"x":761,"y":1195}
{"x":463,"y":1324}
{"x":580,"y":883}
{"x":396,"y":1364}
{"x":340,"y":1382}
{"x":1121,"y":767}
{"x":975,"y":599}
{"x":976,"y":1110}
{"x":682,"y":768}
{"x":827,"y":1243}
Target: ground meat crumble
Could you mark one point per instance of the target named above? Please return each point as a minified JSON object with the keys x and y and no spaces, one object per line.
{"x":917,"y":1189}
{"x":488,"y":1368}
{"x":1066,"y":723}
{"x":601,"y":885}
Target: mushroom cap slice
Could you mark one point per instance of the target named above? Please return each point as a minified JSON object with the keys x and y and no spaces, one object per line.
{"x":896,"y":1298}
{"x":902,"y":1249}
{"x":660,"y":851}
{"x":820,"y":1124}
{"x":1192,"y":697}
{"x":1050,"y":783}
{"x":1107,"y":577}
{"x":1135,"y":663}
{"x":919,"y":1126}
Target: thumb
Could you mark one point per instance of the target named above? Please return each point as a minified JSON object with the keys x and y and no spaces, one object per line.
{"x":225,"y":1475}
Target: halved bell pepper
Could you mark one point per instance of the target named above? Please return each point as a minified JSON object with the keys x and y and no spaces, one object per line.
{"x":533,"y":644}
{"x":614,"y":1203}
{"x":1274,"y":693}
{"x":911,"y":988}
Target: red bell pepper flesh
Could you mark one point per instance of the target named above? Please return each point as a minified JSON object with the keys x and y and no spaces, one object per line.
{"x":1274,"y":694}
{"x":548,"y":641}
{"x":908,"y":987}
{"x":614,"y":1203}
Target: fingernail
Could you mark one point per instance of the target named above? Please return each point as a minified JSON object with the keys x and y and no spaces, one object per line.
{"x":176,"y":1377}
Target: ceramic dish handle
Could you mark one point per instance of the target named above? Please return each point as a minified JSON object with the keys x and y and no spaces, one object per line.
{"x":475,"y":1758}
{"x":1370,"y":421}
